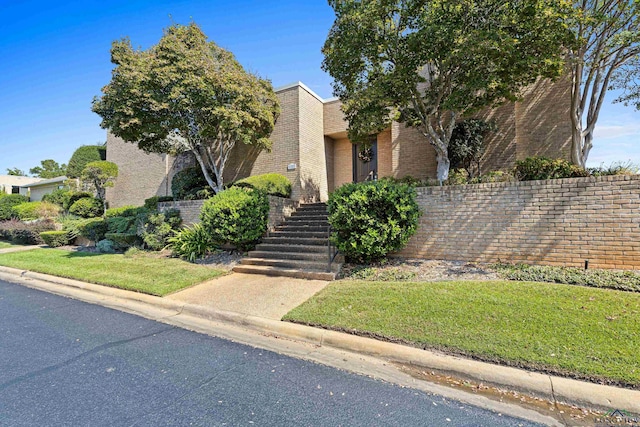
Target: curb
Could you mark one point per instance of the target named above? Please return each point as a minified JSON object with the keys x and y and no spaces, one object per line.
{"x":565,"y":390}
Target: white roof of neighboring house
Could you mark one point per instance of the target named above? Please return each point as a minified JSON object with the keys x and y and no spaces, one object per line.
{"x":57,"y":180}
{"x":17,"y":180}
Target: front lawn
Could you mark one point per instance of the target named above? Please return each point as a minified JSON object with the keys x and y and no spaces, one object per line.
{"x":5,"y":245}
{"x":568,"y":330}
{"x":141,"y":273}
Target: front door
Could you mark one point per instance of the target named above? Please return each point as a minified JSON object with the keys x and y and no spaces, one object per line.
{"x":365,"y":162}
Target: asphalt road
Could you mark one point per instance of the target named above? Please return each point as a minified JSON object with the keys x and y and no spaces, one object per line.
{"x":69,"y":363}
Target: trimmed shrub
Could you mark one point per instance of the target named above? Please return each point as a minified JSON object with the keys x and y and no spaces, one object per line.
{"x":538,"y":168}
{"x":107,"y":246}
{"x":7,"y":202}
{"x":152,"y":202}
{"x":74,"y":196}
{"x":87,"y":207}
{"x":159,"y":227}
{"x":83,"y":155}
{"x":124,"y":240}
{"x":191,"y":243}
{"x":93,"y":229}
{"x":55,"y":238}
{"x":58,"y":197}
{"x":371,"y":219}
{"x":35,"y":210}
{"x":187,"y":182}
{"x":237,"y":216}
{"x":273,"y":184}
{"x":25,"y":234}
{"x":128,"y":210}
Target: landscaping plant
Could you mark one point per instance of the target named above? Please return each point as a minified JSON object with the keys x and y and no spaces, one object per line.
{"x":273,"y":184}
{"x":537,"y":168}
{"x":237,"y":216}
{"x":55,"y":238}
{"x":191,"y":243}
{"x":371,"y":219}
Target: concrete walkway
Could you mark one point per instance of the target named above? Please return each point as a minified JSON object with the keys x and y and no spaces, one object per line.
{"x":253,"y":294}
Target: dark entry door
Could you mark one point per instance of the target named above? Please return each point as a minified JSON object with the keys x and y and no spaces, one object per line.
{"x":365,"y":163}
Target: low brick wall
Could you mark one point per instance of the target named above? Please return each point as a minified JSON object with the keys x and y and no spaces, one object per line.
{"x":279,"y":209}
{"x":555,"y":222}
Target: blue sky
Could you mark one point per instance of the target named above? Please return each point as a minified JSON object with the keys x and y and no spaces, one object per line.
{"x":55,"y":59}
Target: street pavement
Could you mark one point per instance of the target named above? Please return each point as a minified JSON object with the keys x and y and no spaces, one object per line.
{"x":65,"y":362}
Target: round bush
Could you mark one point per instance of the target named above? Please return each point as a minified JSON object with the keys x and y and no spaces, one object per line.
{"x":73,"y":197}
{"x":55,"y":239}
{"x":188,"y":182}
{"x":237,"y":216}
{"x":87,"y":207}
{"x":83,"y":155}
{"x":35,"y":210}
{"x":538,"y":168}
{"x":106,"y":246}
{"x":371,"y":219}
{"x":273,"y":184}
{"x":7,"y":202}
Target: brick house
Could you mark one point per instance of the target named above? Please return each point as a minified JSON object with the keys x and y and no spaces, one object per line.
{"x":311,"y":147}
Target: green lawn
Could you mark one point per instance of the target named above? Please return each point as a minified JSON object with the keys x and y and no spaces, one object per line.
{"x":141,"y":273}
{"x":569,"y":330}
{"x":4,"y":245}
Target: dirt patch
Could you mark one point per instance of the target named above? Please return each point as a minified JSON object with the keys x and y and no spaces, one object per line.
{"x":221,"y":260}
{"x":419,"y":270}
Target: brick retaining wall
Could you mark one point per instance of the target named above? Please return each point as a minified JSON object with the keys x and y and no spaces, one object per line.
{"x":556,"y":222}
{"x":279,"y":209}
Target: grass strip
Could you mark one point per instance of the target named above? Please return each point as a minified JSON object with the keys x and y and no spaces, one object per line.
{"x":5,"y":245}
{"x":580,"y":332}
{"x":140,"y":273}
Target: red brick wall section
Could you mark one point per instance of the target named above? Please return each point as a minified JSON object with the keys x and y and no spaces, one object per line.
{"x":556,"y":222}
{"x":279,"y":209}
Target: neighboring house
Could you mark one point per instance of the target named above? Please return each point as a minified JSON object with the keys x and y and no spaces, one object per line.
{"x":311,"y":147}
{"x":38,"y":189}
{"x":11,"y":184}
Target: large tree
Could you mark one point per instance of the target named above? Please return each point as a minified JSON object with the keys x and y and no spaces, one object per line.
{"x":605,"y":56}
{"x":187,"y":94}
{"x":15,"y":172}
{"x":48,"y":168}
{"x":429,"y":63}
{"x":99,"y":176}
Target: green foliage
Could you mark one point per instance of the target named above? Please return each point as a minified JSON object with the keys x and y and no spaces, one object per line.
{"x":188,"y":182}
{"x":49,"y":169}
{"x":93,"y":229}
{"x":15,"y":172}
{"x":82,"y":156}
{"x":191,"y":243}
{"x":237,"y":215}
{"x":371,"y":219}
{"x":106,"y":246}
{"x":620,"y":280}
{"x":35,"y":210}
{"x":186,"y":94}
{"x":159,"y":227}
{"x":7,"y":202}
{"x":55,"y":238}
{"x":428,"y":63}
{"x":273,"y":184}
{"x":74,"y":196}
{"x":22,"y":233}
{"x":381,"y":275}
{"x":615,"y":168}
{"x":124,"y":240}
{"x":537,"y":168}
{"x":100,"y":175}
{"x":128,"y":210}
{"x":58,"y":197}
{"x":467,"y":145}
{"x":87,"y":207}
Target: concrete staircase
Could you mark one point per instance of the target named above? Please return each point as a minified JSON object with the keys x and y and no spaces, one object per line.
{"x":297,"y":248}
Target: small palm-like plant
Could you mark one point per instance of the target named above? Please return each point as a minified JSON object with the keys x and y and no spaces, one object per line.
{"x":191,"y":243}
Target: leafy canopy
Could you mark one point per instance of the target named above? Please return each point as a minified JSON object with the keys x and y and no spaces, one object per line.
{"x":100,"y":175}
{"x":428,"y":63}
{"x":48,"y":168}
{"x":83,"y":155}
{"x":187,"y":94}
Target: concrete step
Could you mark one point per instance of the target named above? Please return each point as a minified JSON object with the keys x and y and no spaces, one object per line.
{"x":286,"y":272}
{"x":300,"y":234}
{"x":307,"y":218}
{"x":303,"y":228}
{"x":301,"y":256}
{"x":283,"y":247}
{"x":284,"y":240}
{"x":287,"y":263}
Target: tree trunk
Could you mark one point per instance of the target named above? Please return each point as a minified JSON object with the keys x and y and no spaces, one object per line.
{"x":443,"y":165}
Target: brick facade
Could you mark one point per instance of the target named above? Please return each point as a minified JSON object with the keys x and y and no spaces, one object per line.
{"x":555,"y":222}
{"x":311,"y":148}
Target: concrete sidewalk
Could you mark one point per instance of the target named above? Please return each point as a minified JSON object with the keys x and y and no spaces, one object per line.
{"x":254,"y":294}
{"x":195,"y":306}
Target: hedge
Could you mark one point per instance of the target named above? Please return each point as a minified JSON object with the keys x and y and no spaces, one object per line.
{"x":273,"y":184}
{"x":55,"y":238}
